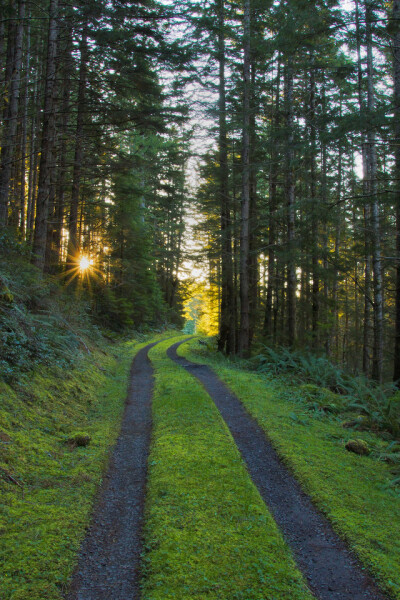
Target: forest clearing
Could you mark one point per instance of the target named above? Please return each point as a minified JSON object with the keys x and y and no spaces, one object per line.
{"x":199,"y":300}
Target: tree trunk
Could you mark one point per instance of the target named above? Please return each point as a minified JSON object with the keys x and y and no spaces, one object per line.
{"x":13,"y":76}
{"x":253,"y":213}
{"x":226,"y":339}
{"x":57,"y":214}
{"x":273,"y":202}
{"x":47,"y":142}
{"x":367,"y":210}
{"x":377,"y":361}
{"x":73,"y":242}
{"x":396,"y":71}
{"x":244,"y":335}
{"x":290,"y":202}
{"x":314,"y":208}
{"x":24,"y":134}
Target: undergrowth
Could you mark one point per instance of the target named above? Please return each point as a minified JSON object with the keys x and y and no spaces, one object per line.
{"x":331,"y":388}
{"x":56,"y":428}
{"x":41,"y":322}
{"x":208,"y":534}
{"x":310,"y":427}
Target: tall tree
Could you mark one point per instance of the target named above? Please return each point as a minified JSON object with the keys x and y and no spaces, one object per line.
{"x":395,"y":31}
{"x":226,"y":338}
{"x":47,"y":141}
{"x":13,"y":83}
{"x":244,"y":334}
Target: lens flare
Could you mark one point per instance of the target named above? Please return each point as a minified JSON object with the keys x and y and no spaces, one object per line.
{"x":84,"y":264}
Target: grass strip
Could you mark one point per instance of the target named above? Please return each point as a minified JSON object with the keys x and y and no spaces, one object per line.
{"x":208,"y":534}
{"x":353,"y":491}
{"x":47,"y":484}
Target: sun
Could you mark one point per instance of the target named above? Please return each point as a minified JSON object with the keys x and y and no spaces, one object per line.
{"x":83,"y":268}
{"x":84,"y":264}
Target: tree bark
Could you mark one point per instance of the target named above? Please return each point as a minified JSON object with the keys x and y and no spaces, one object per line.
{"x":377,"y":360}
{"x":24,"y":134}
{"x":396,"y":102}
{"x":367,"y":209}
{"x":253,"y":212}
{"x":73,"y":241}
{"x":290,"y":203}
{"x":314,"y":208}
{"x":273,"y":202}
{"x":13,"y":76}
{"x":47,"y":142}
{"x":244,"y":334}
{"x":226,"y":338}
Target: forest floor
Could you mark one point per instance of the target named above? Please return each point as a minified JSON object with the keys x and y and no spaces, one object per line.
{"x":220,"y":486}
{"x":217,"y":513}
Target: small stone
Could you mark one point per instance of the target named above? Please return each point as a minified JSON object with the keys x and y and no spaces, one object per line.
{"x":79,"y":440}
{"x":358,"y":447}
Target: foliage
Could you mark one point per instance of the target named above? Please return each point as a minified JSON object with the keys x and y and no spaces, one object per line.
{"x":207,"y":532}
{"x":111,"y":311}
{"x":333,"y":388}
{"x":356,"y":493}
{"x":39,"y":321}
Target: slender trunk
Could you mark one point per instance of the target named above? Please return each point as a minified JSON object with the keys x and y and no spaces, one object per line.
{"x":367,"y":291}
{"x":396,"y":120}
{"x":290,"y":203}
{"x":73,"y":242}
{"x":60,"y":185}
{"x":24,"y":134}
{"x":226,"y":339}
{"x":47,"y":143}
{"x":314,"y":208}
{"x":253,"y":214}
{"x":244,"y":336}
{"x":33,"y":151}
{"x":367,"y":209}
{"x":334,"y":332}
{"x":14,"y":60}
{"x":273,"y":182}
{"x":377,"y":361}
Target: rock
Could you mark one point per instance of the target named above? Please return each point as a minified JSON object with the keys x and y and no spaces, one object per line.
{"x":79,"y":440}
{"x":4,"y":437}
{"x":361,"y":423}
{"x":358,"y":447}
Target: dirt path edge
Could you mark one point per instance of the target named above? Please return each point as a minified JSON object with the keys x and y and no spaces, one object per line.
{"x":109,"y":560}
{"x":331,"y":570}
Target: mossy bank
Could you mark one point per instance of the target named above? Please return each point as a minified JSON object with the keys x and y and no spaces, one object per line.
{"x":353,"y":491}
{"x":56,"y":431}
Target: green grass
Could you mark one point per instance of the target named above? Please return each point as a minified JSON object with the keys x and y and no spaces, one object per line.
{"x":208,"y":534}
{"x":353,"y":491}
{"x":43,"y":522}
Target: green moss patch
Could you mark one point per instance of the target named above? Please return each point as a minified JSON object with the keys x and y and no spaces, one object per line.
{"x":56,"y":433}
{"x":208,"y":534}
{"x":353,"y":491}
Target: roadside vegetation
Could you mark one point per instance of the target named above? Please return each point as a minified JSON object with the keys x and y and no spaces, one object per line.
{"x":310,"y":426}
{"x":56,"y":430}
{"x":208,"y":534}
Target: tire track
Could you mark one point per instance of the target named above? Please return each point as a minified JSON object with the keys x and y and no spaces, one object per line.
{"x":109,"y":562}
{"x":331,"y":571}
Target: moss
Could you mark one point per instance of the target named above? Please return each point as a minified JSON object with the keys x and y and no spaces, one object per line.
{"x":320,"y":398}
{"x":356,"y":495}
{"x":208,"y":534}
{"x":47,"y":490}
{"x":79,"y":439}
{"x":358,"y":447}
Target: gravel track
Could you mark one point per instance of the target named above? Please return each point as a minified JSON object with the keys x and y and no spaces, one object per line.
{"x":331,"y":571}
{"x":108,"y":567}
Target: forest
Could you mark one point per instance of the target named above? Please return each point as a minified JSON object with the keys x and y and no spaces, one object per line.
{"x":222,"y":170}
{"x":105,"y":107}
